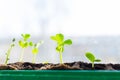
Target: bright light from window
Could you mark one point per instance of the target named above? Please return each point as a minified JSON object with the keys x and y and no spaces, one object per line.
{"x":73,"y":17}
{"x":93,"y":18}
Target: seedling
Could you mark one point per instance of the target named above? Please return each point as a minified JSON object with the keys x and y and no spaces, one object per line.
{"x":9,"y":50}
{"x":23,"y":44}
{"x":91,"y":58}
{"x":59,"y":38}
{"x":35,"y":49}
{"x":46,"y":62}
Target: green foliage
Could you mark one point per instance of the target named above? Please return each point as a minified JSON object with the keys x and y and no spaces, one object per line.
{"x":23,"y":43}
{"x":9,"y":50}
{"x":68,"y":42}
{"x":25,"y":36}
{"x":31,"y":43}
{"x":92,"y":58}
{"x":35,"y":49}
{"x":59,"y":38}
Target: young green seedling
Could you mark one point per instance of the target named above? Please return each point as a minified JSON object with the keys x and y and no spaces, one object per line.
{"x":45,"y":62}
{"x":59,"y":38}
{"x":9,"y":50}
{"x":23,"y":44}
{"x":91,"y":58}
{"x":35,"y":49}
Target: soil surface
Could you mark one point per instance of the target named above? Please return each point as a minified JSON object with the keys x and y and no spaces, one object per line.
{"x":65,"y":66}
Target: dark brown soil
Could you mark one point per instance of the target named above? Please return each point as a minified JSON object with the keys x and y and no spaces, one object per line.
{"x":65,"y":66}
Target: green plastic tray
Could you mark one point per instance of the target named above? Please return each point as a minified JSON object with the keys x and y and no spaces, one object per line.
{"x":59,"y":75}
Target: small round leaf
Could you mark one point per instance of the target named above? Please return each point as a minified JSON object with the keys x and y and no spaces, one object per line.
{"x":97,"y":60}
{"x":90,"y":56}
{"x":68,"y":42}
{"x":35,"y":50}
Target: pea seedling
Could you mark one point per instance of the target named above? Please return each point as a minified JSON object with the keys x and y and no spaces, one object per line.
{"x":35,"y":49}
{"x":23,"y":44}
{"x":91,"y":58}
{"x":59,"y":38}
{"x":9,"y":50}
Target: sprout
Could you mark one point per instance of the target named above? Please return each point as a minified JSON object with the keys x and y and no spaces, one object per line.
{"x":45,"y":62}
{"x":9,"y":50}
{"x":23,"y":44}
{"x":92,"y":58}
{"x":59,"y":38}
{"x":35,"y":49}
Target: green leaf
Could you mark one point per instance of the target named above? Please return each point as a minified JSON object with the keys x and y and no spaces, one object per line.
{"x":31,"y":43}
{"x":68,"y":42}
{"x":35,"y":50}
{"x":97,"y":60}
{"x":25,"y":44}
{"x":25,"y":36}
{"x":59,"y":38}
{"x":59,"y":49}
{"x":90,"y":56}
{"x":21,"y":43}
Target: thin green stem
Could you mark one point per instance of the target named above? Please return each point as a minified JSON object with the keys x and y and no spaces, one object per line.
{"x":61,"y":59}
{"x":8,"y":55}
{"x":92,"y":65}
{"x":34,"y":58}
{"x":21,"y":55}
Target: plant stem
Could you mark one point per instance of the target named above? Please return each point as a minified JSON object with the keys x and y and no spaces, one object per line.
{"x":61,"y":60}
{"x":34,"y":57}
{"x":92,"y":65}
{"x":21,"y":55}
{"x":8,"y":55}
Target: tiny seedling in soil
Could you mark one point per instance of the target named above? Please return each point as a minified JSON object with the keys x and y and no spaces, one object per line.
{"x":45,"y":62}
{"x":59,"y":38}
{"x":35,"y":49}
{"x":23,"y":44}
{"x":92,"y":58}
{"x":9,"y":50}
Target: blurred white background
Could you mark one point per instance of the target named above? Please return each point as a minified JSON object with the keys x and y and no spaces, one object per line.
{"x":93,"y":25}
